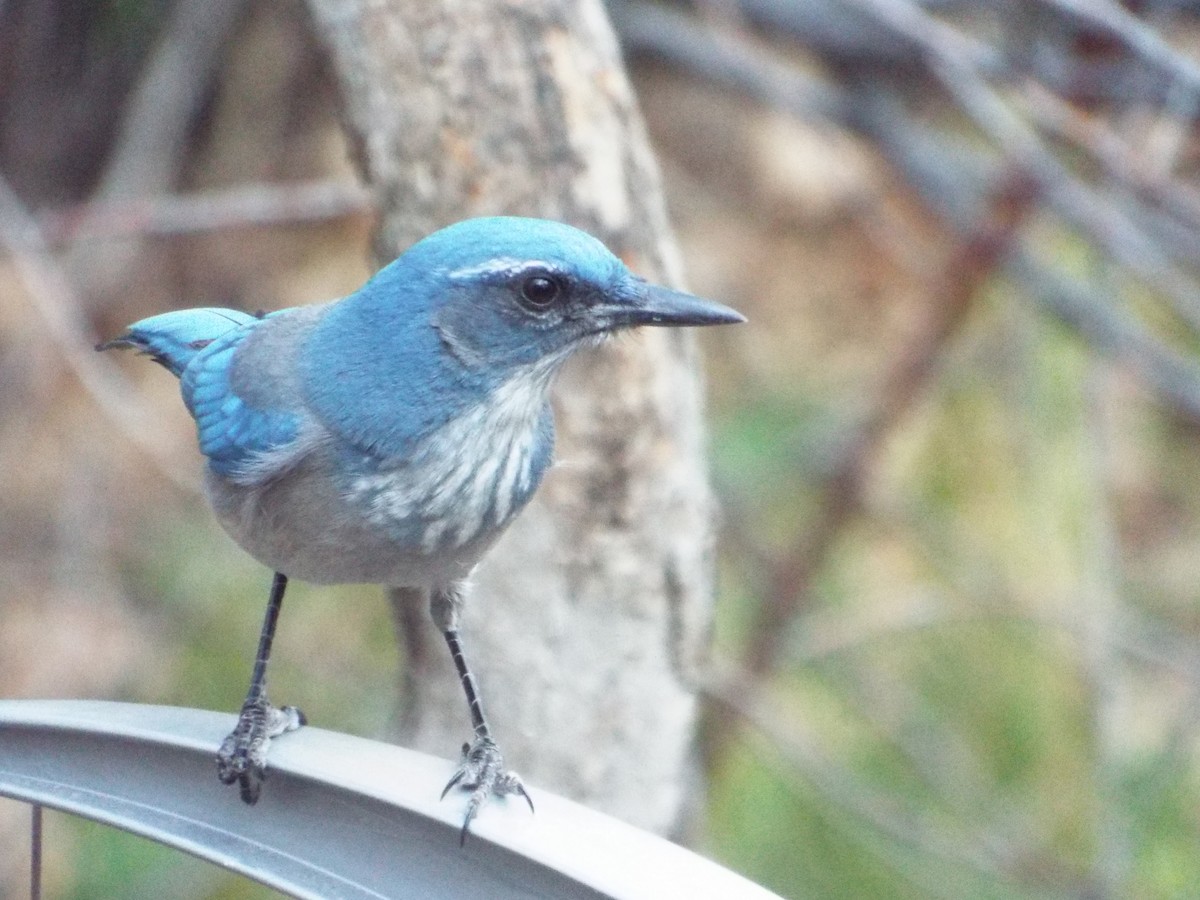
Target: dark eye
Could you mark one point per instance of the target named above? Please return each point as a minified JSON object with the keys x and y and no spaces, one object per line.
{"x":540,"y":291}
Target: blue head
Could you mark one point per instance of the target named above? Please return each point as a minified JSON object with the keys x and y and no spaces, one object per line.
{"x":472,"y":307}
{"x":507,"y":292}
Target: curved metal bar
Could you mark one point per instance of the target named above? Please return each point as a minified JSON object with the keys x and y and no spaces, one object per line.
{"x":340,"y":816}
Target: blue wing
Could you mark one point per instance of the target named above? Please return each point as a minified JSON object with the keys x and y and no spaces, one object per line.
{"x":235,"y":435}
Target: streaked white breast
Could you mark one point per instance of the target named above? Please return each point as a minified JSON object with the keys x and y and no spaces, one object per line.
{"x":468,"y":476}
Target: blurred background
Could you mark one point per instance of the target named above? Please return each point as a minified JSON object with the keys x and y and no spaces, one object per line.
{"x":957,"y":646}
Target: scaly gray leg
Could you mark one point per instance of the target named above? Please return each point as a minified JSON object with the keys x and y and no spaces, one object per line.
{"x":243,"y":754}
{"x":481,"y":770}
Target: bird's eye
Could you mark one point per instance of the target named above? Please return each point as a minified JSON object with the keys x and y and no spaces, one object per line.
{"x":540,"y":291}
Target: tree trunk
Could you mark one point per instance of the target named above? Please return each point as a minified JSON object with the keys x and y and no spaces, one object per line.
{"x":584,"y":622}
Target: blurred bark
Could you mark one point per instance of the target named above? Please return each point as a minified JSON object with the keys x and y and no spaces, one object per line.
{"x":587,"y":616}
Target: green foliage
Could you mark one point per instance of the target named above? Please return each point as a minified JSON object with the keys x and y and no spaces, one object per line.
{"x":950,"y":723}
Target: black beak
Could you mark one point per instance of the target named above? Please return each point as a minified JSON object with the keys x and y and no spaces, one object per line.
{"x":655,"y":305}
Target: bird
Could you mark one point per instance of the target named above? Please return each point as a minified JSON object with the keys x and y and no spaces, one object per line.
{"x":391,"y":436}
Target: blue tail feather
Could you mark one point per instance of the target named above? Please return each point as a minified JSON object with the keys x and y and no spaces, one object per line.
{"x":173,"y":339}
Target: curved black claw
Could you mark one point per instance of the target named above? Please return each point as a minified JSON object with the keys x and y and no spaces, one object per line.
{"x":482,"y":773}
{"x":243,"y":754}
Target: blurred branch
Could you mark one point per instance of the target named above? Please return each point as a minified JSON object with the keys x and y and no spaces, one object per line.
{"x":949,"y":178}
{"x":970,"y":267}
{"x":1143,"y":41}
{"x":153,"y":135}
{"x":1095,"y":214}
{"x":53,"y":297}
{"x":1126,"y":169}
{"x":153,"y":131}
{"x":725,"y":58}
{"x":1117,"y":160}
{"x":945,"y":181}
{"x":1090,"y":309}
{"x":243,"y":206}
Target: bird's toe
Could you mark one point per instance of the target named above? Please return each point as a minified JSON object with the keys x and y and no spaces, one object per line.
{"x":242,"y":757}
{"x":481,"y":771}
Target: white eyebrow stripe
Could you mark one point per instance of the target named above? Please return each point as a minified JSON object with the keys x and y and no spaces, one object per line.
{"x":501,"y":265}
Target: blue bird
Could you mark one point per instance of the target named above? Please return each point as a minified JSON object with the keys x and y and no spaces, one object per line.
{"x":391,"y":436}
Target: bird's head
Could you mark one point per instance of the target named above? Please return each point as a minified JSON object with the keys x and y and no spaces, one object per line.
{"x":513,"y":292}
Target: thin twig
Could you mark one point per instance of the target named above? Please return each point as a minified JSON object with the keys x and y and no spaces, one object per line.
{"x":242,"y":206}
{"x":1119,"y":163}
{"x":1099,"y":219}
{"x":1142,"y":40}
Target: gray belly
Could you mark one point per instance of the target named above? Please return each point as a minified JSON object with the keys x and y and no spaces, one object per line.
{"x":303,"y":526}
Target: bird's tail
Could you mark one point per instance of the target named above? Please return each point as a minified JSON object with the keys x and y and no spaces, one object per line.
{"x":173,"y":339}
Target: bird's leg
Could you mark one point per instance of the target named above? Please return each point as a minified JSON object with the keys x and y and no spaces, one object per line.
{"x":243,"y":754}
{"x":481,"y":770}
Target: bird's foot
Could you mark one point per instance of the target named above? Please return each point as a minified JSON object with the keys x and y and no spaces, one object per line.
{"x":243,"y":754}
{"x":482,"y":773}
